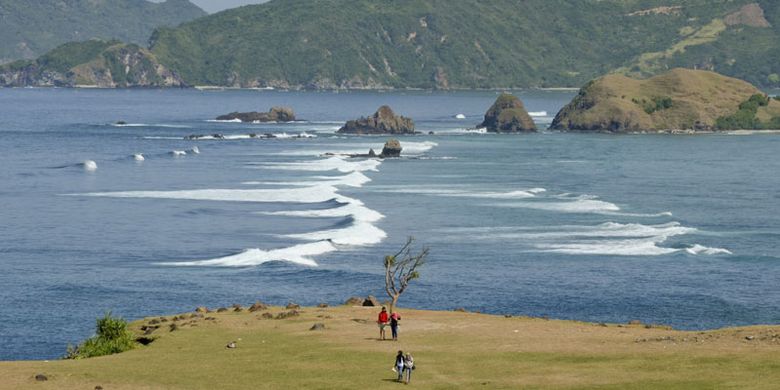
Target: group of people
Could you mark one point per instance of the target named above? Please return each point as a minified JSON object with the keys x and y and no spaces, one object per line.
{"x":391,"y":319}
{"x":404,"y":363}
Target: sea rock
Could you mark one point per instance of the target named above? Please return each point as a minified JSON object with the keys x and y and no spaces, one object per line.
{"x":275,"y":114}
{"x":222,"y":310}
{"x":202,"y":309}
{"x":41,"y":378}
{"x":681,"y":101}
{"x":267,"y":316}
{"x":508,"y":115}
{"x":392,"y":148}
{"x":293,"y":306}
{"x":354,"y":301}
{"x":384,"y":121}
{"x":322,"y":305}
{"x":318,"y":326}
{"x":371,"y":301}
{"x":258,"y":306}
{"x":635,"y":322}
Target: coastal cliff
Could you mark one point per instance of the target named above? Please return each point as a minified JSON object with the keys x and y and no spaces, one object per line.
{"x":94,"y":63}
{"x":679,"y":100}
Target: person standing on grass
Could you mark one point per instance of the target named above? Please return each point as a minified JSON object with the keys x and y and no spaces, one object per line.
{"x":394,"y":319}
{"x":408,"y":367}
{"x":382,"y":322}
{"x":399,"y":365}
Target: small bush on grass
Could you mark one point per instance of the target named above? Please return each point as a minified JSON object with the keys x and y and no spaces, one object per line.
{"x":112,"y":336}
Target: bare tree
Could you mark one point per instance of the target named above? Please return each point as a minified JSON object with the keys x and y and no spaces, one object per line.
{"x":400,"y":269}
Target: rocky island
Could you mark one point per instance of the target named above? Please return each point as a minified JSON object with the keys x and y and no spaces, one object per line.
{"x":681,"y":100}
{"x":275,"y":114}
{"x":508,"y":115}
{"x":384,"y":121}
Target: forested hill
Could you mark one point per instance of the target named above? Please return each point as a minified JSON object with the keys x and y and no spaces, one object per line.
{"x":29,"y":28}
{"x":471,"y":43}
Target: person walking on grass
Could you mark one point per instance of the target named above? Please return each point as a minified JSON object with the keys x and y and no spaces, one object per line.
{"x":382,"y":322}
{"x":394,"y":320}
{"x":399,"y":365}
{"x":408,"y":367}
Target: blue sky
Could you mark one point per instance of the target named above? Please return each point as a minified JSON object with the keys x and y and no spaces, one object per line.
{"x":212,"y":6}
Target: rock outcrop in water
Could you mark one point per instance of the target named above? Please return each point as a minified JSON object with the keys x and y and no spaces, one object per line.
{"x":392,"y":148}
{"x":275,"y":114}
{"x":508,"y":115}
{"x":681,"y":100}
{"x":384,"y":121}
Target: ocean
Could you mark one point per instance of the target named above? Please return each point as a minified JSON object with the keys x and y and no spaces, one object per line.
{"x":675,"y":230}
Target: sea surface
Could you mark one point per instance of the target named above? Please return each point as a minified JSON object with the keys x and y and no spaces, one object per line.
{"x":677,"y":230}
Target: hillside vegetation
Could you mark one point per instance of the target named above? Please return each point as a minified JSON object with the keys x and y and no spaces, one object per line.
{"x":95,"y":63}
{"x":31,"y":28}
{"x":681,"y":99}
{"x":277,"y":350}
{"x":471,"y":43}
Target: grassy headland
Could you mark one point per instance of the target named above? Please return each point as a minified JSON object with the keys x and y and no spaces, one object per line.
{"x":451,"y":349}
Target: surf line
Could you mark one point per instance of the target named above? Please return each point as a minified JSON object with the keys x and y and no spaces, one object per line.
{"x":359,"y":229}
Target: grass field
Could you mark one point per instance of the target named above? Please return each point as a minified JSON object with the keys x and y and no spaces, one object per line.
{"x":451,"y":349}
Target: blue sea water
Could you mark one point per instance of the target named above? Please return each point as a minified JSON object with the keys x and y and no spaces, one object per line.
{"x":678,"y":230}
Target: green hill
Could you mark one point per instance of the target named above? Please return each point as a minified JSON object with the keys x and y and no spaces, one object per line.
{"x":31,"y":28}
{"x":471,"y":43}
{"x":94,"y":63}
{"x":678,"y":100}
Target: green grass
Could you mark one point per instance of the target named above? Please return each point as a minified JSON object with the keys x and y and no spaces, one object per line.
{"x":452,"y":350}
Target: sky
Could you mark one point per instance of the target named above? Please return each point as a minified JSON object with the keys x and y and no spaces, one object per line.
{"x":212,"y":6}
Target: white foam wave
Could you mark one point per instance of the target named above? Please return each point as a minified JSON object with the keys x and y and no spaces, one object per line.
{"x":296,"y":195}
{"x":324,"y":165}
{"x":358,"y":234}
{"x":537,"y":113}
{"x":636,"y":247}
{"x":455,"y":193}
{"x":354,"y":179}
{"x":700,"y":249}
{"x":89,"y":166}
{"x":573,"y":206}
{"x":460,"y":116}
{"x":354,"y":208}
{"x":177,"y":153}
{"x":298,"y":254}
{"x":138,"y":157}
{"x":195,"y":150}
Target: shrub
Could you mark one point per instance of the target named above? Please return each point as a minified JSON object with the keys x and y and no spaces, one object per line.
{"x":656,"y":103}
{"x":112,"y":336}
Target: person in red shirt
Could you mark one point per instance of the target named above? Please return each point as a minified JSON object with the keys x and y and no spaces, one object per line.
{"x":382,"y":322}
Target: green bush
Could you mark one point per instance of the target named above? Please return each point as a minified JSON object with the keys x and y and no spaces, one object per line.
{"x":112,"y":336}
{"x":745,"y":118}
{"x":656,"y":103}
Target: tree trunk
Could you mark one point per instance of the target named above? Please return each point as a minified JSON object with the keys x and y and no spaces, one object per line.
{"x":393,"y":303}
